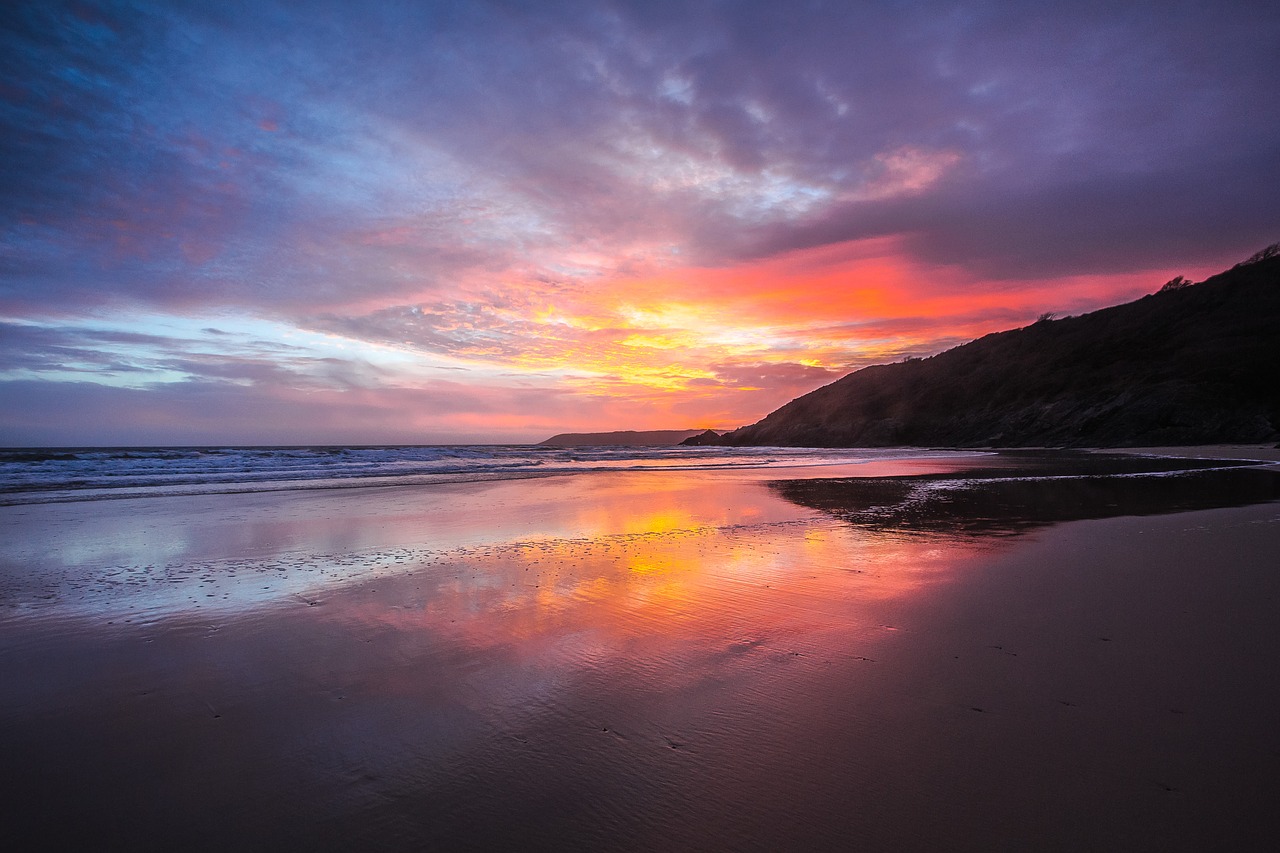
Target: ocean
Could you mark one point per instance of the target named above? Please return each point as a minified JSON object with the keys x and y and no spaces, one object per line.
{"x":47,"y":475}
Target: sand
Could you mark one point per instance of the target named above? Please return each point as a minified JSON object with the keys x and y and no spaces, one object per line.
{"x":639,"y":662}
{"x":1268,"y":454}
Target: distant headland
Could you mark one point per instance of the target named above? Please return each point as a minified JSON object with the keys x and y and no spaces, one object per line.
{"x":623,"y":438}
{"x":1190,"y":364}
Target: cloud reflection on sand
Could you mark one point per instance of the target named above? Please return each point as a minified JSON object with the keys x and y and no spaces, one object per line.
{"x":655,"y":584}
{"x":611,"y":662}
{"x":151,"y":558}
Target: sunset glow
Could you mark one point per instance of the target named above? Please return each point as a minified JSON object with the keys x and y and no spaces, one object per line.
{"x":475,"y":222}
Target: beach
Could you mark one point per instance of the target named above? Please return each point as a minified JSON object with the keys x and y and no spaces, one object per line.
{"x":972,"y":651}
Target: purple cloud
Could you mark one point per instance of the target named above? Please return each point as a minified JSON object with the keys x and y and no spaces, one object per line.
{"x":336,"y":166}
{"x":252,"y":154}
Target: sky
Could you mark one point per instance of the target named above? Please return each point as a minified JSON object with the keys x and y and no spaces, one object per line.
{"x":469,"y":222}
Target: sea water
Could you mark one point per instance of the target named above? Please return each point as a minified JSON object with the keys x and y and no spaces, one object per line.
{"x":43,"y":475}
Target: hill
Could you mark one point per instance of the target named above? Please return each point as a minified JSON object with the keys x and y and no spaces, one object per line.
{"x":1191,"y":364}
{"x":621,"y":438}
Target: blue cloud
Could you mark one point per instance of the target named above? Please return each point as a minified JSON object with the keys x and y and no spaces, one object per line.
{"x":297,"y":158}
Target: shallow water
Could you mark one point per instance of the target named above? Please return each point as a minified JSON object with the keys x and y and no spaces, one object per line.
{"x":44,"y":475}
{"x":164,"y":554}
{"x":646,"y":660}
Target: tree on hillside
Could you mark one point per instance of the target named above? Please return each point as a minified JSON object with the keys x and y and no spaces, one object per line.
{"x":1266,"y":254}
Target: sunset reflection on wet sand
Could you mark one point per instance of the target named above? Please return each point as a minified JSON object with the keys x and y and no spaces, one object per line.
{"x":634,"y":661}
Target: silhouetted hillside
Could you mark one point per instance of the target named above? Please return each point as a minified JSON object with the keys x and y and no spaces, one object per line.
{"x":1191,"y":364}
{"x":621,"y":438}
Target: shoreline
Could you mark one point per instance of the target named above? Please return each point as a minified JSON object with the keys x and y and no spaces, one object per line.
{"x":1268,"y":454}
{"x":157,"y":473}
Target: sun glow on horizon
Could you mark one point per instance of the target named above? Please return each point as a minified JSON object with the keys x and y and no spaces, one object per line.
{"x":384,"y":223}
{"x":713,"y":346}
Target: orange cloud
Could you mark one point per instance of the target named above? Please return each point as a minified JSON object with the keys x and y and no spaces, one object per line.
{"x":717,"y":346}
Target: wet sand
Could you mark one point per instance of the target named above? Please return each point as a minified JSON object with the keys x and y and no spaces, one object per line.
{"x":1265,"y":453}
{"x":671,"y":661}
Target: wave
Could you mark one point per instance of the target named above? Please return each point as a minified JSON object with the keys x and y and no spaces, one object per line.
{"x":38,"y":475}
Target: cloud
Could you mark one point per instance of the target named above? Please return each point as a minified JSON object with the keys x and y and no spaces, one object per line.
{"x":625,"y":193}
{"x":203,"y":412}
{"x":115,"y":357}
{"x":171,"y":155}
